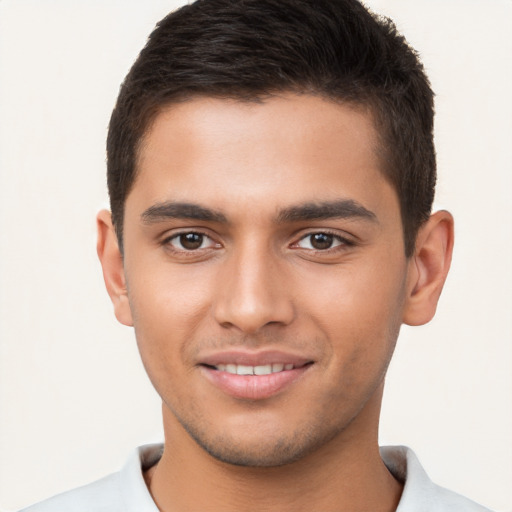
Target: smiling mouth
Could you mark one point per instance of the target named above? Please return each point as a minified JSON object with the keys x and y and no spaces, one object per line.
{"x":254,"y":382}
{"x":264,"y":369}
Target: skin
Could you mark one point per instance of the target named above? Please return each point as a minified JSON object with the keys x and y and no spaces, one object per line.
{"x":256,"y":283}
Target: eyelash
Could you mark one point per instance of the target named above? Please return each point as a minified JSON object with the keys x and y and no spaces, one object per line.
{"x":342,"y":243}
{"x":167,"y":242}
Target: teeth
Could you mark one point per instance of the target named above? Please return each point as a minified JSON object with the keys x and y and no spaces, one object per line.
{"x":265,"y":369}
{"x":244,"y":370}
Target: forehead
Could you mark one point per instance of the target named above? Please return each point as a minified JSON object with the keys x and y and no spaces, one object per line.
{"x":274,"y":153}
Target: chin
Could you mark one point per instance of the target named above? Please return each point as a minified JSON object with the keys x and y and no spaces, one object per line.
{"x":278,"y":450}
{"x":279,"y":454}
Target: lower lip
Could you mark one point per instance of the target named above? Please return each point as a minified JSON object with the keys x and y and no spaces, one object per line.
{"x":253,"y":387}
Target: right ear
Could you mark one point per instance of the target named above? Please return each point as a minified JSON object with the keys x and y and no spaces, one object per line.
{"x":113,"y":269}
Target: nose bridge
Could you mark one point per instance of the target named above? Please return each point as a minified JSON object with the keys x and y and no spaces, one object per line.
{"x":252,"y":294}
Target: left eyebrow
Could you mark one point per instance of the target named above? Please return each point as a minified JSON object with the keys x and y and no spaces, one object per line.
{"x":340,"y":209}
{"x":161,"y":212}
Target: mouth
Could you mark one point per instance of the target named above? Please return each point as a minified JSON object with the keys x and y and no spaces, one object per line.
{"x":265,"y":369}
{"x":254,"y":376}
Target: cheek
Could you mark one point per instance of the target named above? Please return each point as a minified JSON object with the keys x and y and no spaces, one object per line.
{"x":359,"y":309}
{"x":359,"y":290}
{"x":163,"y":294}
{"x":168,"y":307}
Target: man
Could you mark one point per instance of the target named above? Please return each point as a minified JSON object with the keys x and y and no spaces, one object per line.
{"x":271,"y":172}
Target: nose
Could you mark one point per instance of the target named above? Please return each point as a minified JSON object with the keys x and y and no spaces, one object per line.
{"x":253,"y":292}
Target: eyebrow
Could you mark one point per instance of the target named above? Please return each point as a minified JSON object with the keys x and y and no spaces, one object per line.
{"x":161,"y":212}
{"x":340,"y":209}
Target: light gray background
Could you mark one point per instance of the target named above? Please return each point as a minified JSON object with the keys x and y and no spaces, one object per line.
{"x":73,"y":395}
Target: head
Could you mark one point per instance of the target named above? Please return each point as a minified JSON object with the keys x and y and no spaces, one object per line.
{"x":271,"y":173}
{"x":254,"y":49}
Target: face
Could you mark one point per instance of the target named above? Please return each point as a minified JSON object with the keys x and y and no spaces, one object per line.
{"x":265,"y":271}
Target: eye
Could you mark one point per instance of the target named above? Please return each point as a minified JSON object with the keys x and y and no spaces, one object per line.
{"x":320,"y":241}
{"x":190,"y":241}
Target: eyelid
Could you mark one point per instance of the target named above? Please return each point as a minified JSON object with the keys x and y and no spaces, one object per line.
{"x":337,"y":241}
{"x":345,"y":240}
{"x":169,"y":237}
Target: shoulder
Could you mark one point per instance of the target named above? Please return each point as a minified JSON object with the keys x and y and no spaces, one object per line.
{"x":124,"y":491}
{"x":99,"y":496}
{"x":420,"y":494}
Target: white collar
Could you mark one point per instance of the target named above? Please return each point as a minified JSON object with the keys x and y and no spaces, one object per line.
{"x":420,"y":494}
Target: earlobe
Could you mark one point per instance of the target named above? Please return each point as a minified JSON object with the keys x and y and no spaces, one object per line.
{"x":112,"y":265}
{"x":428,"y":268}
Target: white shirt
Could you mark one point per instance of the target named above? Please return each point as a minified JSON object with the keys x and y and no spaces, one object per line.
{"x":126,"y":490}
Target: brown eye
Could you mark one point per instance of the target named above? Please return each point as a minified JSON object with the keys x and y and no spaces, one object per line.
{"x":191,"y":241}
{"x":321,"y":241}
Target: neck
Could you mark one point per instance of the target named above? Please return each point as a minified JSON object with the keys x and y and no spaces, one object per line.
{"x":347,"y":473}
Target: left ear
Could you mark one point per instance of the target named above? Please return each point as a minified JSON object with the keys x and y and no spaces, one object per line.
{"x":428,"y":268}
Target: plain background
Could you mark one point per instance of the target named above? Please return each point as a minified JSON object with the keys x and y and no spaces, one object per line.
{"x":73,"y":395}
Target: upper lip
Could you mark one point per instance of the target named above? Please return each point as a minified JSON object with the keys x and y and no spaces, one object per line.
{"x":244,"y":357}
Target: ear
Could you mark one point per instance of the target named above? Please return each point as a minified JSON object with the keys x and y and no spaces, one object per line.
{"x":428,"y":268}
{"x":113,"y":269}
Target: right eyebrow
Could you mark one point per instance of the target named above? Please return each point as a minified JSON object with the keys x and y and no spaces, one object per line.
{"x":161,"y":212}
